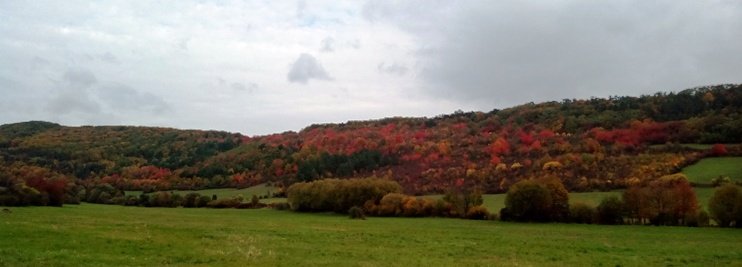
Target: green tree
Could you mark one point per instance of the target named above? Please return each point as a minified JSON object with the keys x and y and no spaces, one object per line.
{"x":610,"y":211}
{"x":725,"y":205}
{"x":527,"y":200}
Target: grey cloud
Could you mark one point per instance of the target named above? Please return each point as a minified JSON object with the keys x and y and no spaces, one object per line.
{"x":79,"y":79}
{"x":301,"y":7}
{"x":394,"y":68}
{"x":79,"y":92}
{"x":37,"y":61}
{"x":355,"y":44}
{"x":109,"y":58}
{"x":69,"y":102}
{"x":305,"y":68}
{"x":510,"y":52}
{"x":327,"y":45}
{"x":72,"y":94}
{"x":124,"y":99}
{"x":250,"y":87}
{"x":183,"y":43}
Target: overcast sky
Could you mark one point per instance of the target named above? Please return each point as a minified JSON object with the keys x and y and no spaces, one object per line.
{"x":260,"y":67}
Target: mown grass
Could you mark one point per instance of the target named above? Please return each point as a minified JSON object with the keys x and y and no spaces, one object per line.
{"x":710,"y":168}
{"x":100,"y":235}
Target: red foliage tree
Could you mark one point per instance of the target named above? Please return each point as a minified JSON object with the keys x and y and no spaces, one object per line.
{"x":719,"y":150}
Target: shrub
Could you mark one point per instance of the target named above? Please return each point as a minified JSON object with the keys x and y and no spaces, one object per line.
{"x":177,"y":200}
{"x":8,"y":200}
{"x":725,"y":205}
{"x":190,"y":199}
{"x":441,"y":208}
{"x":412,"y":207}
{"x":719,"y":150}
{"x":427,"y":206}
{"x":202,"y":201}
{"x":463,"y":198}
{"x":718,"y":181}
{"x":559,"y":210}
{"x":700,"y":219}
{"x":610,"y":211}
{"x":144,"y":200}
{"x":280,"y":206}
{"x":356,"y":212}
{"x":477,"y":213}
{"x":338,"y":195}
{"x":703,"y":218}
{"x":391,"y":204}
{"x":527,"y":200}
{"x":581,"y":213}
{"x":118,"y":200}
{"x":163,"y":199}
{"x":102,"y":193}
{"x":224,"y":203}
{"x":131,"y":201}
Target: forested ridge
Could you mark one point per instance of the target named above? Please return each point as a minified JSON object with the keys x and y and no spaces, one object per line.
{"x":590,"y":144}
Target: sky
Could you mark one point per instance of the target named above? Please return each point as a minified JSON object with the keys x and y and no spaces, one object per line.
{"x":261,"y":67}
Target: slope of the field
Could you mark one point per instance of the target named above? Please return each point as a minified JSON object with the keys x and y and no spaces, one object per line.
{"x":709,"y":168}
{"x":101,"y":235}
{"x":261,"y":190}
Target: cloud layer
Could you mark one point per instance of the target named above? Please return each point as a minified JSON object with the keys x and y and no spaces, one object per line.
{"x":260,"y":68}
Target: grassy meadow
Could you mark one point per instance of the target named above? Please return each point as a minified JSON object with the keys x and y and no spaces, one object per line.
{"x":96,"y":235}
{"x":258,"y":190}
{"x":710,"y":168}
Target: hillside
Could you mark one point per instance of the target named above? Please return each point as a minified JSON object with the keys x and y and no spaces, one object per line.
{"x":590,"y":144}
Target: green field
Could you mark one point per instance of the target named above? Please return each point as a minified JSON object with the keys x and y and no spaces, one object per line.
{"x":96,"y":235}
{"x":258,"y":190}
{"x":710,"y":168}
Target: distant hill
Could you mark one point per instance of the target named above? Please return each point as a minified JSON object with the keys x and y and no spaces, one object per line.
{"x":590,"y":144}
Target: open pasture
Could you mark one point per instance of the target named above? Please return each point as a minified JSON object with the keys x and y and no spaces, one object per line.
{"x":96,"y":235}
{"x":710,"y":168}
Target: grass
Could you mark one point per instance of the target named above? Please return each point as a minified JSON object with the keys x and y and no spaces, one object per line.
{"x":710,"y":168}
{"x":100,"y":235}
{"x":259,"y":190}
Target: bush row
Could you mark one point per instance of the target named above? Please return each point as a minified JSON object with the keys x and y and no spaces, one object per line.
{"x":190,"y":200}
{"x":378,"y":197}
{"x":669,"y":200}
{"x":401,"y":205}
{"x":338,"y":195}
